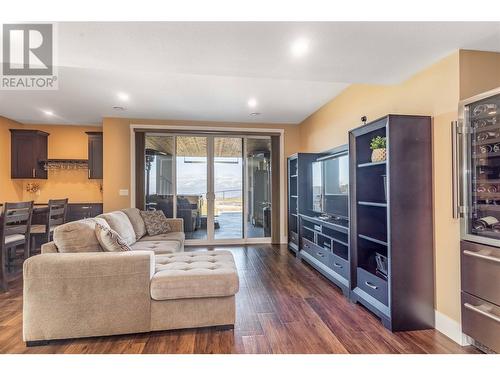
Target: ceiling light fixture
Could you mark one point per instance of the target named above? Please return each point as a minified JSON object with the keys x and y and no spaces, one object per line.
{"x":118,"y":108}
{"x":300,"y":47}
{"x":123,"y":96}
{"x":48,"y":112}
{"x":255,"y":114}
{"x":252,"y":102}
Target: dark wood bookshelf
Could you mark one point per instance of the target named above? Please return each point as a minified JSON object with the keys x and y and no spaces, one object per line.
{"x":391,"y":215}
{"x":299,"y":194}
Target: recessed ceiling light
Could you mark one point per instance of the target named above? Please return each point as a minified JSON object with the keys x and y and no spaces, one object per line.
{"x":255,"y":114}
{"x":118,"y":108}
{"x":48,"y":112}
{"x":300,"y":47}
{"x":123,"y":96}
{"x":252,"y":102}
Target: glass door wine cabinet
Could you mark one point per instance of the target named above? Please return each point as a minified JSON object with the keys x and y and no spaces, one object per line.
{"x":480,"y":208}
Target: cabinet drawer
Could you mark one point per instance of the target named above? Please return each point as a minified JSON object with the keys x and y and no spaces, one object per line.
{"x":294,"y":237}
{"x":339,"y":265}
{"x":373,"y":285}
{"x":480,"y":274}
{"x":481,"y":321}
{"x":317,"y":252}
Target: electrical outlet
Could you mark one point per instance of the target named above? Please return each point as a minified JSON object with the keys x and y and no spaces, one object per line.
{"x":123,"y":192}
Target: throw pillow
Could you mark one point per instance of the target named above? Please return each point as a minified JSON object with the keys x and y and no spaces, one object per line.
{"x":120,"y":223}
{"x":134,"y":215}
{"x":78,"y":236}
{"x":109,"y":239}
{"x":156,"y":222}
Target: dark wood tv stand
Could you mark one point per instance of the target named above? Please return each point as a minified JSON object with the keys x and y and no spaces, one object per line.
{"x":325,"y":246}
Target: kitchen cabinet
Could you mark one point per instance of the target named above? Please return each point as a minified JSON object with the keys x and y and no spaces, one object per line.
{"x":29,"y":148}
{"x":95,"y":155}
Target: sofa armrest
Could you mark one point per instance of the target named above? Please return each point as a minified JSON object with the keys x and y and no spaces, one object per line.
{"x":177,"y":225}
{"x":49,"y":248}
{"x":86,"y":294}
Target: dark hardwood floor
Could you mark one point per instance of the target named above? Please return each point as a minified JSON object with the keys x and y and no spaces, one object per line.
{"x":283,"y":306}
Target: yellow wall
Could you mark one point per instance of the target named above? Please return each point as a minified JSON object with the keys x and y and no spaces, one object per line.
{"x":64,"y":142}
{"x":479,"y":72}
{"x":117,"y":151}
{"x":435,"y":91}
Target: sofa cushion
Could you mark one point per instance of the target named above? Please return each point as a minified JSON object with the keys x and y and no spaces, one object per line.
{"x":134,"y":215}
{"x":172,"y":236}
{"x":156,"y":222}
{"x":194,"y":275}
{"x":159,"y":247}
{"x":78,"y":236}
{"x":120,"y":223}
{"x":109,"y":239}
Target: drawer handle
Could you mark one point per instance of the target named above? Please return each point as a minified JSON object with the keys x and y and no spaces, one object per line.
{"x":482,"y":312}
{"x":320,"y":255}
{"x":338,"y":265}
{"x":370,"y":285}
{"x":478,"y":255}
{"x":85,"y":207}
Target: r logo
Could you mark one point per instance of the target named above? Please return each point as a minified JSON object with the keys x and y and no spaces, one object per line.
{"x":27,"y":49}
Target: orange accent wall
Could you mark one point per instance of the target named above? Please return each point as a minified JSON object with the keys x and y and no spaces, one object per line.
{"x":64,"y":142}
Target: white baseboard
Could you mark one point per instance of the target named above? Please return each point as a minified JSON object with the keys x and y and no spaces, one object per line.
{"x":451,"y":328}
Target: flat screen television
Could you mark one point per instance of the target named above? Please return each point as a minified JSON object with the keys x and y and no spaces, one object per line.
{"x":330,"y":177}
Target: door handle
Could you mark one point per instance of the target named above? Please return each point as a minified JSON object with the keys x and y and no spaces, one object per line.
{"x":89,"y":173}
{"x":455,"y":149}
{"x":482,"y":312}
{"x":482,"y":256}
{"x":370,"y":285}
{"x":33,"y":173}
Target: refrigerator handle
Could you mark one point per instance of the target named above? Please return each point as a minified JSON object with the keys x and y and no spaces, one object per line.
{"x":455,"y":147}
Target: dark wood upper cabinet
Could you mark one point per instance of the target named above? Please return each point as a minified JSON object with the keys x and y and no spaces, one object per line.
{"x":95,"y":155}
{"x":28,"y":151}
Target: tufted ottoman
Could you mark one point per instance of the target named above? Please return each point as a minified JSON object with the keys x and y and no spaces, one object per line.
{"x":193,"y":289}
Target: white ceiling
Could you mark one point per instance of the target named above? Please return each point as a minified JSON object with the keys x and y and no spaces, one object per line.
{"x":208,"y":71}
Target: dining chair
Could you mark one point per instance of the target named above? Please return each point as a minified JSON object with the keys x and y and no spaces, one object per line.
{"x":15,"y":231}
{"x":56,"y":215}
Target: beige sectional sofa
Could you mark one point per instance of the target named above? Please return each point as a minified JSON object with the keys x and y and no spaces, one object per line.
{"x":75,"y":289}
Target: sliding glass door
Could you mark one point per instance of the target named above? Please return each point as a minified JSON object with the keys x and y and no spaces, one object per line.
{"x":228,"y":188}
{"x":218,"y":184}
{"x":258,"y":165}
{"x":192,"y":185}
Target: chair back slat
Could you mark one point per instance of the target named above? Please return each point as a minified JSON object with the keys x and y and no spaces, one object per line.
{"x":55,"y":212}
{"x":15,"y":229}
{"x":17,"y":217}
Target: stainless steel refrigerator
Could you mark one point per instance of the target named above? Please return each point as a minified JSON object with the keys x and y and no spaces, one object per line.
{"x":476,"y":193}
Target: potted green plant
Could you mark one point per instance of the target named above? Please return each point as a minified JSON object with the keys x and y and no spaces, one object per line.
{"x":378,"y":147}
